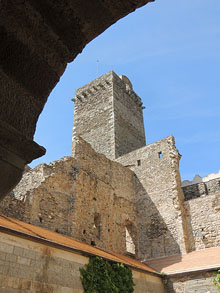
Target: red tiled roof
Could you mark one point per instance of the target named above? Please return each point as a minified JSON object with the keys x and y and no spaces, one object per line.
{"x":205,"y":259}
{"x":41,"y":234}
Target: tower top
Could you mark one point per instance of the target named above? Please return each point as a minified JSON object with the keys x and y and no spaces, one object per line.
{"x":127,"y":82}
{"x":104,"y":80}
{"x":108,"y":115}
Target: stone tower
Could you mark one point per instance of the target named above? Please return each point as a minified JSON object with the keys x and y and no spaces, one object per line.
{"x":108,"y":114}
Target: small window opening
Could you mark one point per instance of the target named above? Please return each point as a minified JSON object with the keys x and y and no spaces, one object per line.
{"x":160,"y":155}
{"x":93,"y":243}
{"x":139,"y":162}
{"x":97,"y":224}
{"x":57,"y":230}
{"x":84,"y":231}
{"x":40,"y":219}
{"x":129,"y":234}
{"x":97,"y":220}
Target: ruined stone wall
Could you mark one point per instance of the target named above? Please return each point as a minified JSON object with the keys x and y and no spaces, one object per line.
{"x":162,"y":227}
{"x":106,"y":197}
{"x":15,"y":208}
{"x":87,"y":197}
{"x":93,"y":115}
{"x":44,"y":195}
{"x":190,"y":283}
{"x":203,"y":221}
{"x":128,"y":116}
{"x":201,"y":189}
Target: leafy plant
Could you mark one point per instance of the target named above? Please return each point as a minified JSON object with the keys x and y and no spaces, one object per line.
{"x":216,"y":280}
{"x":103,"y":276}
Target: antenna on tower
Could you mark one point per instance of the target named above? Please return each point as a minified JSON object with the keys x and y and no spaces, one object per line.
{"x":97,"y":68}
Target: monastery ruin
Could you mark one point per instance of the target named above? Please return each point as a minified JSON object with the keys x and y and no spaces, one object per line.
{"x":118,"y":194}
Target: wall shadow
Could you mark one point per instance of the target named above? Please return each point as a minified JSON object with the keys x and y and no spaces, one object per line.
{"x":155,"y":240}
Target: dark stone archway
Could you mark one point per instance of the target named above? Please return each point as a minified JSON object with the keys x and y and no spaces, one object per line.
{"x":38,"y":38}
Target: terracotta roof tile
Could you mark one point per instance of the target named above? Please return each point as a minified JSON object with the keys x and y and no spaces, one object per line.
{"x":205,"y":259}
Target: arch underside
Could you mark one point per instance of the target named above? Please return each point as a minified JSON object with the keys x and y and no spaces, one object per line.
{"x":38,"y":38}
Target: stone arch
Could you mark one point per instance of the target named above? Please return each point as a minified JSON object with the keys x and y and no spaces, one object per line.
{"x":38,"y":39}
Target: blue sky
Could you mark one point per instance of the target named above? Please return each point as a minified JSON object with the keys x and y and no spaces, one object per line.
{"x":170,"y":50}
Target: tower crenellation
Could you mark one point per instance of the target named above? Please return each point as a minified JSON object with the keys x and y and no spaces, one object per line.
{"x":93,"y":115}
{"x":109,"y":115}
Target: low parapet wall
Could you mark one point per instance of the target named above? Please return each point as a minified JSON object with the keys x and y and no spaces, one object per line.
{"x":201,"y":189}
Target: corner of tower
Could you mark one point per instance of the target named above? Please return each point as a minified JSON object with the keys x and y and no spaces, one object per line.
{"x":128,"y":117}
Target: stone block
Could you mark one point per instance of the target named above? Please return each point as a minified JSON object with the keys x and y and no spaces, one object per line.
{"x":2,"y":256}
{"x":5,"y":247}
{"x":11,"y":258}
{"x":18,"y":250}
{"x":29,"y":254}
{"x":23,"y":260}
{"x":3,"y":280}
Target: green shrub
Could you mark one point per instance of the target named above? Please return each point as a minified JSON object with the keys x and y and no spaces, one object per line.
{"x":216,"y":280}
{"x":101,"y":276}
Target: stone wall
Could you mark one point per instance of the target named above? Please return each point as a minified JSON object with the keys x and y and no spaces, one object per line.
{"x":15,"y":208}
{"x":146,"y":283}
{"x":203,"y":221}
{"x":201,"y":189}
{"x":190,"y":283}
{"x":106,"y":197}
{"x":44,"y":195}
{"x":87,"y":197}
{"x":161,"y":221}
{"x":27,"y":266}
{"x":30,"y":266}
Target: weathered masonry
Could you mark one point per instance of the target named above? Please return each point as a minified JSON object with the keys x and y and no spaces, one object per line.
{"x":136,"y":205}
{"x":87,"y":197}
{"x":159,"y":199}
{"x":119,"y":194}
{"x":111,"y":120}
{"x":108,"y":115}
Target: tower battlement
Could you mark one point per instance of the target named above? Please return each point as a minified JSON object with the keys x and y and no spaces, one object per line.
{"x":109,"y":115}
{"x":103,"y":82}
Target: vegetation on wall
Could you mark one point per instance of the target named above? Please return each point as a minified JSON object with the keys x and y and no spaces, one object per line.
{"x":103,"y":276}
{"x":216,"y":280}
